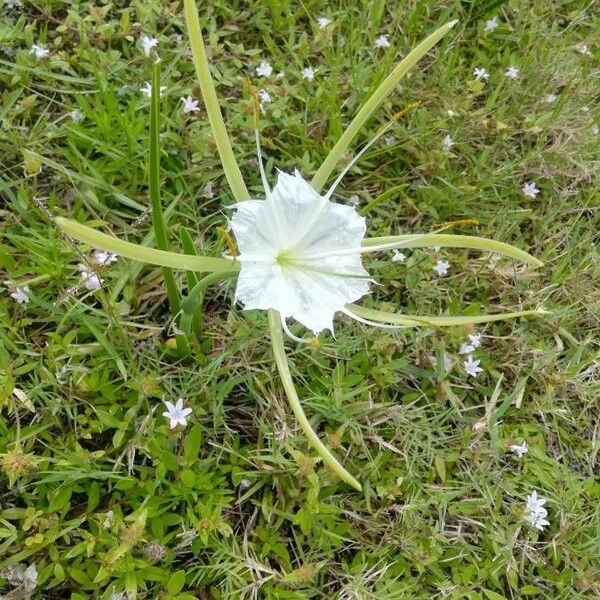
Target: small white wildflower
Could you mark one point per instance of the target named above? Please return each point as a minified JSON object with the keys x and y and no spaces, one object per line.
{"x":451,"y":113}
{"x":264,"y":69}
{"x":390,"y":140}
{"x":535,"y":513}
{"x":104,"y":258}
{"x":21,"y":295}
{"x":190,"y":105}
{"x":13,"y":3}
{"x":595,"y":129}
{"x":40,"y":51}
{"x":280,"y":75}
{"x":448,"y":363}
{"x":108,"y":519}
{"x":323,"y":22}
{"x":264,"y":96}
{"x":398,"y":256}
{"x":585,"y":109}
{"x":475,"y":339}
{"x":245,"y":484}
{"x":447,"y":142}
{"x":480,"y":73}
{"x":382,"y":42}
{"x":472,"y":367}
{"x":466,"y":348}
{"x":530,"y":189}
{"x":90,"y":280}
{"x":354,"y":200}
{"x":551,"y":98}
{"x":176,"y":413}
{"x":76,"y":115}
{"x":308,"y":73}
{"x":512,"y":72}
{"x":148,"y":43}
{"x":491,"y":24}
{"x":520,"y":450}
{"x":441,"y":267}
{"x":146,"y":89}
{"x":583,"y":49}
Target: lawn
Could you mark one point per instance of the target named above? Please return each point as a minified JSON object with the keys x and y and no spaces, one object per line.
{"x":448,"y":430}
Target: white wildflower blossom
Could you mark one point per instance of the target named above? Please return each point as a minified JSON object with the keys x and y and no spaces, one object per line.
{"x":264,"y":69}
{"x":382,"y":42}
{"x":535,"y":512}
{"x":472,"y":367}
{"x":447,"y":142}
{"x":308,"y":73}
{"x":148,"y":43}
{"x":530,"y":189}
{"x":90,"y":280}
{"x":323,"y":22}
{"x":520,"y":449}
{"x":475,"y":339}
{"x":40,"y":51}
{"x":491,"y":24}
{"x":146,"y":89}
{"x":551,"y":98}
{"x":264,"y":96}
{"x":583,"y":49}
{"x":466,"y":348}
{"x":104,"y":258}
{"x":108,"y":519}
{"x":354,"y":200}
{"x":398,"y":256}
{"x":190,"y":105}
{"x":76,"y":116}
{"x":512,"y":72}
{"x":441,"y":267}
{"x":21,"y":295}
{"x":481,"y":73}
{"x":176,"y":413}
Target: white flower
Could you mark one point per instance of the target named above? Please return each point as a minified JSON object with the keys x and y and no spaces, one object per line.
{"x":472,"y":367}
{"x":520,"y":450}
{"x":148,"y":43}
{"x":190,"y":105}
{"x":264,"y":69}
{"x":264,"y":96}
{"x":398,"y":256}
{"x":475,"y":339}
{"x":21,"y":295}
{"x":551,"y":98}
{"x":146,"y":89}
{"x":530,"y":190}
{"x":535,"y":513}
{"x":447,"y":142}
{"x":90,"y":280}
{"x":354,"y":200}
{"x":308,"y":73}
{"x":491,"y":24}
{"x":76,"y":116}
{"x":104,"y":258}
{"x":300,"y":254}
{"x":480,"y":74}
{"x":466,"y":348}
{"x":40,"y":51}
{"x":176,"y":413}
{"x":595,"y":129}
{"x":323,"y":22}
{"x":441,"y":267}
{"x":583,"y":49}
{"x":12,"y":3}
{"x":280,"y":75}
{"x":451,"y":113}
{"x":512,"y":72}
{"x":109,"y":515}
{"x":382,"y":42}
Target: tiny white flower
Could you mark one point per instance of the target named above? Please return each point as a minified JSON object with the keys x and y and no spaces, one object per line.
{"x":280,"y":75}
{"x":13,"y":4}
{"x":583,"y":49}
{"x":480,"y":73}
{"x":530,"y":189}
{"x":146,"y":89}
{"x":245,"y":484}
{"x":595,"y":129}
{"x":475,"y":339}
{"x":466,"y":348}
{"x":109,"y":515}
{"x":441,"y":267}
{"x":264,"y":69}
{"x":104,"y":258}
{"x":90,"y":280}
{"x":190,"y":105}
{"x":308,"y":73}
{"x":264,"y":96}
{"x":40,"y":51}
{"x":448,"y":142}
{"x":551,"y":98}
{"x":382,"y":42}
{"x":535,"y":513}
{"x":390,"y":140}
{"x":21,"y":295}
{"x":451,"y":113}
{"x":148,"y":43}
{"x":176,"y":413}
{"x":354,"y":200}
{"x":76,"y":115}
{"x":323,"y":22}
{"x":448,"y":363}
{"x":520,"y":450}
{"x":512,"y":72}
{"x":398,"y":256}
{"x":472,"y":367}
{"x":491,"y":24}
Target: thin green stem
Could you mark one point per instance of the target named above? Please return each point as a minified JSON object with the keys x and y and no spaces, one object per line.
{"x":294,"y":402}
{"x":211,"y":102}
{"x":193,"y":300}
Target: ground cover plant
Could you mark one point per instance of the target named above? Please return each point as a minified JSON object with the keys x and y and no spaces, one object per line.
{"x":477,"y":447}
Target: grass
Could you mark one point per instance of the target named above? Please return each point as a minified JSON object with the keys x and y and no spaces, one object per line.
{"x":236,"y":505}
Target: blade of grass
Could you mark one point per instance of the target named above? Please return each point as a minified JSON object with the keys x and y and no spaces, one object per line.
{"x":373,"y":103}
{"x":188,"y":248}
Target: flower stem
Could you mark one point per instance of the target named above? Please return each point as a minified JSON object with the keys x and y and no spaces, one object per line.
{"x":211,"y":102}
{"x":294,"y":402}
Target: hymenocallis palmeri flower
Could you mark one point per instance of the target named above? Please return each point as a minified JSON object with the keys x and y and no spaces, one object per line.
{"x":300,"y":253}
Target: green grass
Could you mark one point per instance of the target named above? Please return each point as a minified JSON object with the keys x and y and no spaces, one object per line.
{"x":236,"y":505}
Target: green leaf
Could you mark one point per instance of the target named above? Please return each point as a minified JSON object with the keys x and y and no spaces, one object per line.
{"x":192,"y":444}
{"x":97,"y":239}
{"x":176,"y":582}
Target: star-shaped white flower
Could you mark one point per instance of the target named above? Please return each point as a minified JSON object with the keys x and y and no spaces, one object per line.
{"x":520,"y":449}
{"x":264,"y":69}
{"x":551,"y":98}
{"x":398,"y":256}
{"x":148,"y":43}
{"x":21,"y":295}
{"x":40,"y":51}
{"x":466,"y":348}
{"x":300,"y":254}
{"x":472,"y":367}
{"x":90,"y":280}
{"x":535,"y":513}
{"x":76,"y":116}
{"x":583,"y":49}
{"x":491,"y":24}
{"x":264,"y":96}
{"x":104,"y":258}
{"x":176,"y":413}
{"x":308,"y":73}
{"x":146,"y":89}
{"x":190,"y":105}
{"x":475,"y":339}
{"x":447,"y":142}
{"x":323,"y":22}
{"x":441,"y":267}
{"x":382,"y":42}
{"x":481,"y":73}
{"x":512,"y":72}
{"x":530,"y":189}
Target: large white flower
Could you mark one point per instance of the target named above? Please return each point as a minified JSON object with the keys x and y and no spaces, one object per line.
{"x":300,"y":254}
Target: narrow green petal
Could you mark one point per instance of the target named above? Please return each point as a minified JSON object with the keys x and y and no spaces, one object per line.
{"x":161,"y":258}
{"x":451,"y":241}
{"x":382,"y":316}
